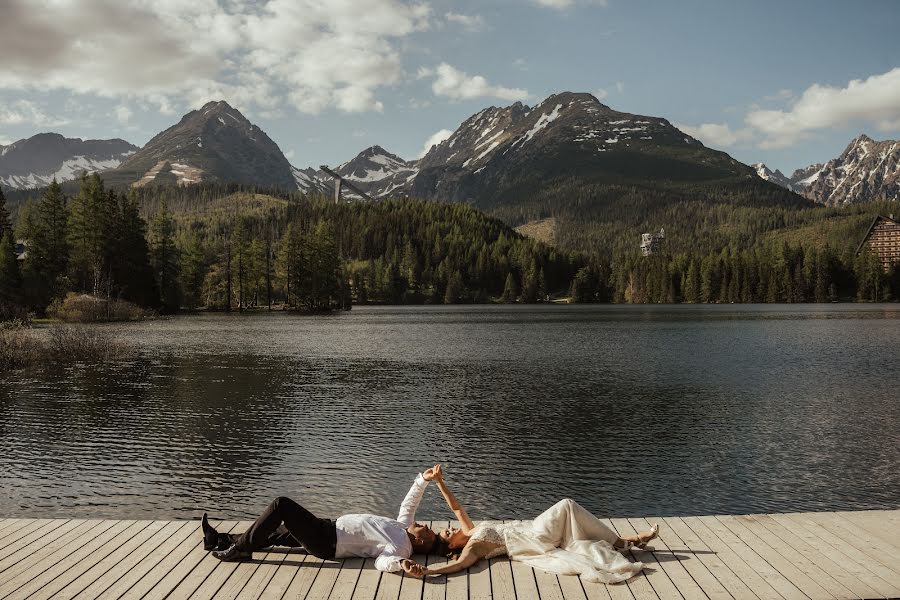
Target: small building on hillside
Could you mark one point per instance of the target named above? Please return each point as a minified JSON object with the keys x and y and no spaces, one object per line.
{"x":883,"y":240}
{"x":21,"y":249}
{"x":651,"y":243}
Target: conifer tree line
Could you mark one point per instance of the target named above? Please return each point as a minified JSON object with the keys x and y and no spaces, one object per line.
{"x":232,"y":247}
{"x":226,"y":247}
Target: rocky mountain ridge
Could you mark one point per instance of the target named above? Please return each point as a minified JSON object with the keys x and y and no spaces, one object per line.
{"x":865,"y":171}
{"x":34,"y":162}
{"x":213,"y":143}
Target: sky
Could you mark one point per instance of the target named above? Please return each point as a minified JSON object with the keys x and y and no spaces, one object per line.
{"x":788,"y":83}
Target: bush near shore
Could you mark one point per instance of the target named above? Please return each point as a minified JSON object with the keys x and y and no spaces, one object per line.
{"x":84,"y":308}
{"x":21,"y":346}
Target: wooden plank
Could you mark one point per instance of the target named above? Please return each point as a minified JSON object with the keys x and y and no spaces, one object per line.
{"x":37,"y":560}
{"x":683,"y":539}
{"x":458,"y":583}
{"x":570,"y":586}
{"x":188,"y":549}
{"x":120,"y":552}
{"x":783,"y":564}
{"x":886,"y":530}
{"x":793,"y":556}
{"x":739,"y":561}
{"x":479,"y":581}
{"x":123,"y":567}
{"x":849,"y":581}
{"x":411,"y":588}
{"x":275,"y":583}
{"x":10,"y":526}
{"x":657,"y":574}
{"x":86,"y":561}
{"x":638,"y":585}
{"x":205,"y":576}
{"x":328,"y":574}
{"x":167,"y":548}
{"x":32,"y":548}
{"x":836,"y":542}
{"x":670,"y":562}
{"x":436,"y":587}
{"x":240,"y":577}
{"x":389,"y":586}
{"x":345,"y":584}
{"x":547,"y":585}
{"x":188,"y":570}
{"x":59,"y":573}
{"x":33,"y":530}
{"x":523,"y":579}
{"x":839,"y":554}
{"x":502,"y":585}
{"x":261,"y":578}
{"x":859,"y":538}
{"x":303,"y":580}
{"x":369,"y":581}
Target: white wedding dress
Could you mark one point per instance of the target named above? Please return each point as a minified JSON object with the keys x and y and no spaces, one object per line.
{"x":565,"y":539}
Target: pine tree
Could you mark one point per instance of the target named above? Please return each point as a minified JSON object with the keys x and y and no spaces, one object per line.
{"x":192,"y":272}
{"x":164,"y":258}
{"x":131,"y":270}
{"x":453,"y":292}
{"x":48,"y":250}
{"x":10,"y":275}
{"x":5,"y":223}
{"x":510,"y":290}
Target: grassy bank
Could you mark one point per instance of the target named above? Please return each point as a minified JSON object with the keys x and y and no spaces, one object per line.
{"x":22,"y":346}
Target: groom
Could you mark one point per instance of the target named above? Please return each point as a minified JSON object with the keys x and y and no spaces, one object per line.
{"x":285,"y":523}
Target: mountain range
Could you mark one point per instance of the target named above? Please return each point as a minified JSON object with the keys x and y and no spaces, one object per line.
{"x":36,"y":161}
{"x":498,"y":157}
{"x":865,"y":171}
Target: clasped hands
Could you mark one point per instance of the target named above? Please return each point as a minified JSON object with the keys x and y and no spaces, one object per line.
{"x":411,"y":567}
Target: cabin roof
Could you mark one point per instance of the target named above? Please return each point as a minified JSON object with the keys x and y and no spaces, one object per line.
{"x":871,"y":227}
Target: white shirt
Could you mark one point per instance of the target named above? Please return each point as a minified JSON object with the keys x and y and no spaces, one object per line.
{"x":380,"y":537}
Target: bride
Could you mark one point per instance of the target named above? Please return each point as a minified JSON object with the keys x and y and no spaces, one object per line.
{"x":565,"y":539}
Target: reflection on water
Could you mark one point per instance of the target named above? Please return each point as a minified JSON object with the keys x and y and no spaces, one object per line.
{"x":629,"y":410}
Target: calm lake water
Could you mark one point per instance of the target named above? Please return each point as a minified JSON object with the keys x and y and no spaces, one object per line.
{"x":630,"y":410}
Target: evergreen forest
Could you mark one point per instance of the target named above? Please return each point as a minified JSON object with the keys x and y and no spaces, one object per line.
{"x":232,"y":247}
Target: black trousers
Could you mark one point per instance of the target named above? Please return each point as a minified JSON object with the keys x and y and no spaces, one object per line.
{"x":286,"y":523}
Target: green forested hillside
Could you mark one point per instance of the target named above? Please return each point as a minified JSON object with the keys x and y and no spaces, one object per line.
{"x":229,"y":247}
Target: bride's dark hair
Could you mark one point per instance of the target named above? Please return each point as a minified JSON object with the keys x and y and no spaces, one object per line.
{"x":442,"y":548}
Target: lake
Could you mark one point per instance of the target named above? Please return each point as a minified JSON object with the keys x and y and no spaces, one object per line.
{"x":630,"y":410}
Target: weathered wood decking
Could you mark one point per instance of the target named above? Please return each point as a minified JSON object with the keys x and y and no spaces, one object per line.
{"x":778,"y":556}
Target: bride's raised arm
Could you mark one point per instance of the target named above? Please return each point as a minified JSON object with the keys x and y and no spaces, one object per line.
{"x":461,"y":515}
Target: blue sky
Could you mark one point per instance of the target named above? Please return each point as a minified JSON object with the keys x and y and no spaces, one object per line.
{"x":786,"y":83}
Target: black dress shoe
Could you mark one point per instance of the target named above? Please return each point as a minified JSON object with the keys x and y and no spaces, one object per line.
{"x":210,"y":535}
{"x":232,"y":554}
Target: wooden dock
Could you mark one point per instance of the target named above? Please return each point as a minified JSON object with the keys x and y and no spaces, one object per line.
{"x":775,"y":556}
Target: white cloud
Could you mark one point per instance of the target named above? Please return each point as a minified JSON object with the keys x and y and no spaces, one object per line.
{"x":471,"y":23}
{"x":716,"y":135}
{"x":123,"y":114}
{"x":520,"y":64}
{"x":563,"y":4}
{"x":289,"y":154}
{"x":620,"y":87}
{"x":873,"y":100}
{"x":5,"y":141}
{"x":311,"y":54}
{"x":22,"y":112}
{"x":435,"y":139}
{"x":600,"y":93}
{"x":453,"y":83}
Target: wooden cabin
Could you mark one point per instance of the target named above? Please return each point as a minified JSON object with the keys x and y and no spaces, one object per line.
{"x":883,"y":240}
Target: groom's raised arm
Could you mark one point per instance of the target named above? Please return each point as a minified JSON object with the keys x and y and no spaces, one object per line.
{"x":409,"y":505}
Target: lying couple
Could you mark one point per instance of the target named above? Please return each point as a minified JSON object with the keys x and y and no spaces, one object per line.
{"x":565,"y":539}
